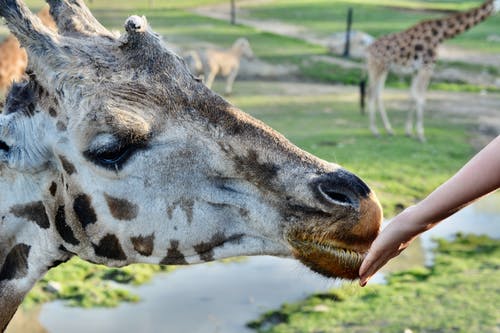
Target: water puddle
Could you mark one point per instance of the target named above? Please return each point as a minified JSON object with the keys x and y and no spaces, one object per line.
{"x":218,"y":297}
{"x":222,"y":297}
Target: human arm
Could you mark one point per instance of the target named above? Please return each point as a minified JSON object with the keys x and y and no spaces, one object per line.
{"x":480,"y":176}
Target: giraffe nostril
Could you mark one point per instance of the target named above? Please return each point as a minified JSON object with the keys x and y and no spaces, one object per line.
{"x":341,"y":188}
{"x":337,"y":197}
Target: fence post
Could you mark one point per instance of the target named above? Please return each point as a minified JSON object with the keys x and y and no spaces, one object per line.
{"x":348,"y":34}
{"x":233,"y":12}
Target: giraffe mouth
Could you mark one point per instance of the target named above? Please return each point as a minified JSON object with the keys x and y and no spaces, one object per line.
{"x":328,"y":258}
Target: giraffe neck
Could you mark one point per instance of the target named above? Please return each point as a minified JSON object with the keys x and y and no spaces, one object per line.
{"x":458,"y":23}
{"x":28,"y":243}
{"x":10,"y":299}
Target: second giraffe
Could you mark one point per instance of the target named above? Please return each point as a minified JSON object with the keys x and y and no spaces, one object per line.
{"x":414,"y":51}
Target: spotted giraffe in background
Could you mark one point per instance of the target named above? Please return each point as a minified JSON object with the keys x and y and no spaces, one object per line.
{"x":415,"y":51}
{"x":112,"y":151}
{"x":13,"y":58}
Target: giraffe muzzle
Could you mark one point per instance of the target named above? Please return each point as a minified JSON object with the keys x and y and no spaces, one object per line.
{"x":335,"y":242}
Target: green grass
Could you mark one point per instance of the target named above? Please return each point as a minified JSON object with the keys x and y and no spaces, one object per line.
{"x":458,"y":294}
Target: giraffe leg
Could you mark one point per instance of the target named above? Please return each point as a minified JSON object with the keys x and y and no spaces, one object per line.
{"x":409,"y":121}
{"x":374,"y":76}
{"x":421,"y":83}
{"x":411,"y":109}
{"x":371,"y":108}
{"x":380,"y":103}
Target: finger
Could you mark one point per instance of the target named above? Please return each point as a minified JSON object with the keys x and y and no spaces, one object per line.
{"x":371,"y":269}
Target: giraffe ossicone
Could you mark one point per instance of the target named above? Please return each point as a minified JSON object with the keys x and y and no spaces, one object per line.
{"x":112,"y":151}
{"x":414,"y":51}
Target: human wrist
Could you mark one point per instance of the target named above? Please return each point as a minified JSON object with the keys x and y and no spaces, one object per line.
{"x":416,"y":217}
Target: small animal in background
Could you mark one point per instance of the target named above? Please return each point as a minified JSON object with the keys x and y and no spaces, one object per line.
{"x":13,"y":59}
{"x":414,"y":51}
{"x":211,"y":62}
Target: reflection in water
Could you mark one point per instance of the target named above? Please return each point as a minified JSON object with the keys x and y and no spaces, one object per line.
{"x":222,"y":297}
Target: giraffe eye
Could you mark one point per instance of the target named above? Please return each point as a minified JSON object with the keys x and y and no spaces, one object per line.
{"x":112,"y":156}
{"x":109,"y":152}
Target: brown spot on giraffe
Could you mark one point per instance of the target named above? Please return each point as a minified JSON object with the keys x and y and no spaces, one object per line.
{"x":144,"y":245}
{"x":67,"y":165}
{"x":186,"y":205}
{"x":15,"y":265}
{"x":206,"y":249}
{"x":63,"y":228}
{"x":34,"y":212}
{"x":174,"y":256}
{"x":259,"y":173}
{"x":52,"y":112}
{"x":84,"y":211}
{"x":121,"y":209}
{"x":61,"y":127}
{"x":109,"y":247}
{"x":53,"y":189}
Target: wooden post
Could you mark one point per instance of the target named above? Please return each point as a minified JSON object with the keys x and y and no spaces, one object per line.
{"x":233,"y":12}
{"x":348,"y":34}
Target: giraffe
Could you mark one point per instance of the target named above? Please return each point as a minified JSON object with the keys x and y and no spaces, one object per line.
{"x":113,"y":151}
{"x":414,"y":51}
{"x":13,"y":59}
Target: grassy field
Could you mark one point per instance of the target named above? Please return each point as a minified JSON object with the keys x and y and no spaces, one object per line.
{"x":458,"y":294}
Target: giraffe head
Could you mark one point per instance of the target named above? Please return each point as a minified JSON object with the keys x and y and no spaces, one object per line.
{"x":120,"y":155}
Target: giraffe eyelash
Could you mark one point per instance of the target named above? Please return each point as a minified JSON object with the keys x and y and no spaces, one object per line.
{"x":113,"y":154}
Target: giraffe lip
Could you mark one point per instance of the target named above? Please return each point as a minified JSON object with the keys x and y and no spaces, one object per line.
{"x":349,"y":256}
{"x":328,"y":258}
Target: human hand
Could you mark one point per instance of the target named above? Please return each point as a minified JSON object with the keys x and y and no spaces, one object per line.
{"x":393,"y":239}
